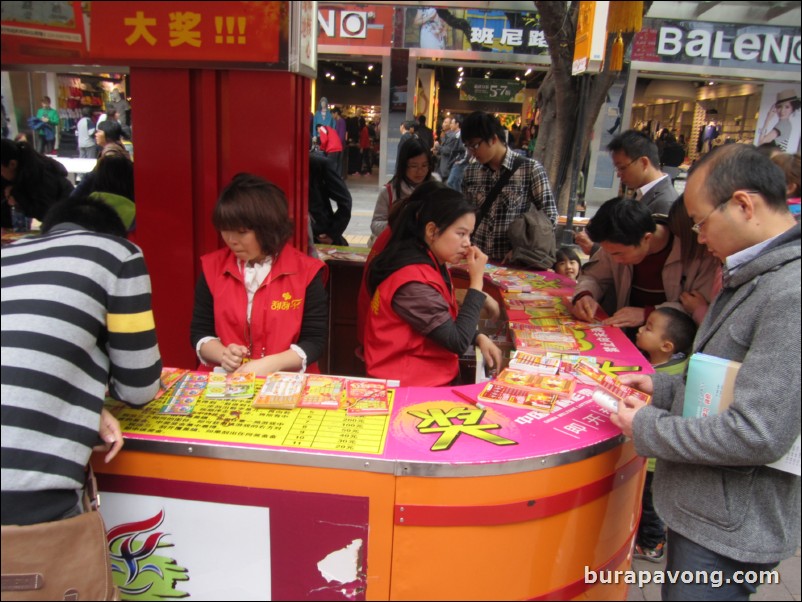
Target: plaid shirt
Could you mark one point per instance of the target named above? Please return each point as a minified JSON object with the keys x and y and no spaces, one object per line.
{"x":528,"y":184}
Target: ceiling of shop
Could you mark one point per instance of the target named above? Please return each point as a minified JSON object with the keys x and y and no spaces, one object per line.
{"x":359,"y":72}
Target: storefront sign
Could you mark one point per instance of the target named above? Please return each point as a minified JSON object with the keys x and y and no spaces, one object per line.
{"x":475,"y":30}
{"x":355,"y":26}
{"x":187,"y":31}
{"x":766,"y":48}
{"x":718,"y":44}
{"x":496,"y":90}
{"x":134,"y":33}
{"x":42,"y":31}
{"x":352,"y":24}
{"x":591,"y":35}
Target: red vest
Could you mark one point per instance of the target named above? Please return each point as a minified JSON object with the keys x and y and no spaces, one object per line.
{"x":278,"y":305}
{"x":363,"y":298}
{"x":393,"y":349}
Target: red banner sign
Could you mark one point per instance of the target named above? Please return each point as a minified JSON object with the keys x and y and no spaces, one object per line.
{"x":187,"y":31}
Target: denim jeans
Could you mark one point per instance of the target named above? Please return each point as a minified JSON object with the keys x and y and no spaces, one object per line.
{"x":455,"y":176}
{"x":684,"y":555}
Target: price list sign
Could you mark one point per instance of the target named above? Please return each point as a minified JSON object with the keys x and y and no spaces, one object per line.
{"x":237,"y":422}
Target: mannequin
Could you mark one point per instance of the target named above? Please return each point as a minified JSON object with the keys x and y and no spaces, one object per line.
{"x":119,"y":103}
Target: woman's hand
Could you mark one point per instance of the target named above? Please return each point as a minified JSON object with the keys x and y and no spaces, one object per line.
{"x":491,"y":308}
{"x":233,"y":355}
{"x":490,"y":351}
{"x":286,"y":361}
{"x":476,"y":266}
{"x":692,"y":300}
{"x":111,"y":435}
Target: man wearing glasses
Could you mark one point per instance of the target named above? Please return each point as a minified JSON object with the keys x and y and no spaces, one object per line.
{"x":637,"y":162}
{"x":485,"y":140}
{"x":724,"y":507}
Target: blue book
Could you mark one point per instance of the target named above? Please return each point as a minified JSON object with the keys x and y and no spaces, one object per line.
{"x":710,"y":389}
{"x":709,"y":386}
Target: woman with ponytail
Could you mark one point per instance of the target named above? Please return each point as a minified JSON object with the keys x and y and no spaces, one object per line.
{"x":414,"y":332}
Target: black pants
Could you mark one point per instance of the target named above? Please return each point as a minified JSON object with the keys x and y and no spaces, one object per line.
{"x":651,"y":530}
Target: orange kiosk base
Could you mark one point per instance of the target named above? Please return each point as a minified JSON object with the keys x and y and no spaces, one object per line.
{"x":509,"y":523}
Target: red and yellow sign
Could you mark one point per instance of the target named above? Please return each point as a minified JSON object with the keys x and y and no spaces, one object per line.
{"x":42,"y":32}
{"x":130,"y":33}
{"x":187,"y":31}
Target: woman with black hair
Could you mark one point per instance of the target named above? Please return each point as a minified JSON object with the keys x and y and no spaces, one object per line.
{"x":414,"y":332}
{"x":31,"y":182}
{"x":414,"y":166}
{"x":260,"y":304}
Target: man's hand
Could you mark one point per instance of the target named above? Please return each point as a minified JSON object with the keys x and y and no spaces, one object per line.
{"x":641,"y":382}
{"x":627,"y":408}
{"x":626,"y":316}
{"x":583,"y":241}
{"x":585,"y":309}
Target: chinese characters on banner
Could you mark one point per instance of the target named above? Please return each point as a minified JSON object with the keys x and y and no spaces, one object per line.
{"x":187,"y":31}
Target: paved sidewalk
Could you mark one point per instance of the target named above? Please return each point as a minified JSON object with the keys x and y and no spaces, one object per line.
{"x":787,"y":589}
{"x":364,"y":191}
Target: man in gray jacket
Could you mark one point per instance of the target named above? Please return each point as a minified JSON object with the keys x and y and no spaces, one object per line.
{"x":727,"y":512}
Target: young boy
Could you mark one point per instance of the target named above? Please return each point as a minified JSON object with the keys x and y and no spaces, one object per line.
{"x":666,"y":338}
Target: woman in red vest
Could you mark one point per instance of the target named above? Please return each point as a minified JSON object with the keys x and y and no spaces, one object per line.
{"x":414,"y":332}
{"x":260,"y":304}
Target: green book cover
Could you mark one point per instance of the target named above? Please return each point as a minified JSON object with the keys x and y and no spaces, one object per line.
{"x":710,"y":385}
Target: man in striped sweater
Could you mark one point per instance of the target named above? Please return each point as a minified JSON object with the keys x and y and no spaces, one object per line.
{"x":76,"y":321}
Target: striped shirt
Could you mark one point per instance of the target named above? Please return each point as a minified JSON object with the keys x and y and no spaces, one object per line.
{"x":528,"y":185}
{"x":76,"y":320}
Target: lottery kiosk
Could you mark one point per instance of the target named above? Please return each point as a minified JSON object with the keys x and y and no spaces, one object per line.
{"x":443,"y":498}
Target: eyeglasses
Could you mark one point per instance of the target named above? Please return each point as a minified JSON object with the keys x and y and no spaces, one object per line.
{"x":697,"y":227}
{"x":473,"y":146}
{"x":418,"y":167}
{"x":624,"y":167}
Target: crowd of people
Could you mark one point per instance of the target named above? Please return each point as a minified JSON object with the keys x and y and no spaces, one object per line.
{"x":723,"y":258}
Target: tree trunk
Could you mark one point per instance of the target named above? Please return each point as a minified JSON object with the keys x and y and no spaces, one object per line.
{"x":562,"y":131}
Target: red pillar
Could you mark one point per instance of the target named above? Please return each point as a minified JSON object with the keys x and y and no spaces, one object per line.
{"x":194,"y":130}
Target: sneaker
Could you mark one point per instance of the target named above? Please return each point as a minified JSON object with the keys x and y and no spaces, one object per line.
{"x":650,"y":554}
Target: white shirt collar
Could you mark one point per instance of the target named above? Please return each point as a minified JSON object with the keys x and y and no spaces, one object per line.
{"x":647,"y":187}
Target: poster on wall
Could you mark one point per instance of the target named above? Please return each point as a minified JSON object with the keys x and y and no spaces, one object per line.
{"x":172,"y":540}
{"x":53,"y":31}
{"x":779,"y":120}
{"x":611,"y":117}
{"x":475,"y":30}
